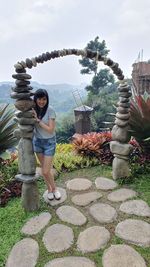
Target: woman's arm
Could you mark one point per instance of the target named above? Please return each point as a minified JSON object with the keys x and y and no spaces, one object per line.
{"x":50,"y":127}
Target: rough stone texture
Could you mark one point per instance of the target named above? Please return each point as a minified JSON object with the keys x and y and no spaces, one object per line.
{"x":134,"y":231}
{"x":121,"y":123}
{"x":121,"y":157}
{"x":24,"y":105}
{"x":27,"y":161}
{"x":93,"y":239}
{"x":19,"y":134}
{"x":58,"y":237}
{"x":122,"y":149}
{"x":56,"y":202}
{"x":71,"y":215}
{"x":24,"y":253}
{"x":71,"y":262}
{"x":25,"y":121}
{"x":26,"y":128}
{"x":85,"y":198}
{"x":30,"y":196}
{"x":123,"y":116}
{"x":79,"y":184}
{"x":136,"y":207}
{"x":122,"y":256}
{"x":103,"y":213}
{"x":120,"y":134}
{"x":121,"y":195}
{"x":26,"y":114}
{"x":120,"y":168}
{"x":105,"y":183}
{"x":36,"y":224}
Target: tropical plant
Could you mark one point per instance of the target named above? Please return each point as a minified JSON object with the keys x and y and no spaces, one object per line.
{"x":7,"y":126}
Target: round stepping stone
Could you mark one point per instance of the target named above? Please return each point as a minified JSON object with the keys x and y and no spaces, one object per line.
{"x":103,"y":213}
{"x":58,"y":238}
{"x":136,"y":207}
{"x":71,"y":215}
{"x":105,"y":183}
{"x":85,"y":198}
{"x":24,"y":253}
{"x":79,"y":184}
{"x":56,"y":202}
{"x":93,"y":239}
{"x":121,"y":195}
{"x":134,"y":231}
{"x":71,"y":261}
{"x":122,"y":256}
{"x":36,"y":224}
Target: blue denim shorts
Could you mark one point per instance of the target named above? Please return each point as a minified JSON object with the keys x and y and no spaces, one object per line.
{"x":45,"y":146}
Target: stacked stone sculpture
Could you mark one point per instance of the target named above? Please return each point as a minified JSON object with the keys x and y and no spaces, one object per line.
{"x":24,"y":103}
{"x":121,"y":134}
{"x":24,"y":116}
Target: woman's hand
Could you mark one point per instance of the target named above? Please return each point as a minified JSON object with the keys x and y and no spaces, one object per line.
{"x":35,"y":115}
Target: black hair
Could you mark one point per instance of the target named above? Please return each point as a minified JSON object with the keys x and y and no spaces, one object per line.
{"x":39,"y":94}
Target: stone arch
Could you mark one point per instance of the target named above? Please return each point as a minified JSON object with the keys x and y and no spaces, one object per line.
{"x":22,"y":92}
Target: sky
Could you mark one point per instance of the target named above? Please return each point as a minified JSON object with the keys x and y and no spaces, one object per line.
{"x":29,"y":28}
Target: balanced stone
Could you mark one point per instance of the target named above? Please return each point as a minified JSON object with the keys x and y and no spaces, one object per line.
{"x":136,"y":207}
{"x":123,"y":116}
{"x":56,"y":202}
{"x":134,"y":231}
{"x":123,"y":110}
{"x":122,"y":149}
{"x":124,"y":88}
{"x":103,"y":213}
{"x":120,"y":168}
{"x":25,"y":128}
{"x":36,"y":224}
{"x":123,"y":99}
{"x":21,"y":76}
{"x":121,"y":123}
{"x":105,"y":183}
{"x":22,"y":82}
{"x":24,"y":95}
{"x":121,"y":134}
{"x":71,"y":262}
{"x":58,"y":238}
{"x":21,"y":89}
{"x":25,"y":121}
{"x":21,"y":134}
{"x":123,"y":105}
{"x":85,"y":198}
{"x":24,"y":105}
{"x":26,"y":114}
{"x":27,"y":161}
{"x":30,"y":195}
{"x":121,"y":157}
{"x":71,"y":215}
{"x":121,"y":195}
{"x":24,"y":253}
{"x":79,"y":184}
{"x":122,"y":256}
{"x":125,"y":94}
{"x":93,"y":239}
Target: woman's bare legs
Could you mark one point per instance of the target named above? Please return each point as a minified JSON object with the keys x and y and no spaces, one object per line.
{"x":46,"y":165}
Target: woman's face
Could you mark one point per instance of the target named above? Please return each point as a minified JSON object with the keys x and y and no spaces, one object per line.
{"x":41,"y":102}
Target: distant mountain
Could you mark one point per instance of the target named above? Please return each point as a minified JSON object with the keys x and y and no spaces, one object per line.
{"x":63,"y":97}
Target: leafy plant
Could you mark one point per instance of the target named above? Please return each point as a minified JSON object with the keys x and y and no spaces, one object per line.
{"x":7,"y":126}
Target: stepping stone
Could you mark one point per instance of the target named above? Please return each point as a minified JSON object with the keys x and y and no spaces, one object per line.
{"x":58,"y":238}
{"x":79,"y":184}
{"x":24,"y":253}
{"x":122,"y":256}
{"x":85,"y":198}
{"x":121,"y":195}
{"x":56,"y":202}
{"x":105,"y":183}
{"x":93,"y":239}
{"x":134,"y":231}
{"x":71,"y":262}
{"x":36,"y":224}
{"x":71,"y":215}
{"x":103,"y":213}
{"x":136,"y":207}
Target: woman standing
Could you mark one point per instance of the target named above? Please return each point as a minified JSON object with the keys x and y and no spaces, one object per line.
{"x":44,"y":141}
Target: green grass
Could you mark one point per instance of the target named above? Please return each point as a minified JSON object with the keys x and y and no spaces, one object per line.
{"x":13,"y":217}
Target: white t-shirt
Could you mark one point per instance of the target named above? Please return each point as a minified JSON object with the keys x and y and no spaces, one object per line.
{"x":39,"y":132}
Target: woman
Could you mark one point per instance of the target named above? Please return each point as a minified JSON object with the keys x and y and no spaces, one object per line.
{"x":44,"y":141}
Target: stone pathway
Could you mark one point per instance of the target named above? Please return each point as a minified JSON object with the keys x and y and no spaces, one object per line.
{"x":100,"y":211}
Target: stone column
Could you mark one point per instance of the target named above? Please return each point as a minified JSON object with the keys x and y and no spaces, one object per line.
{"x":121,"y":134}
{"x":26,"y":158}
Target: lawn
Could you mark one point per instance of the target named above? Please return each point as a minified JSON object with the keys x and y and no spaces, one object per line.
{"x":13,"y":217}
